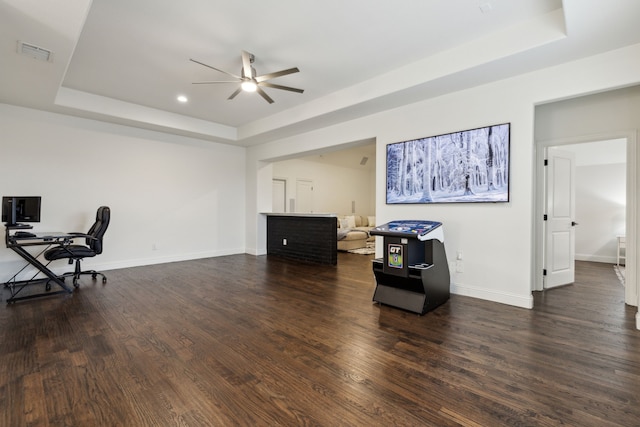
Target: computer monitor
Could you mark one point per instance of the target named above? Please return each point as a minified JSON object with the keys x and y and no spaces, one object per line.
{"x":16,"y":210}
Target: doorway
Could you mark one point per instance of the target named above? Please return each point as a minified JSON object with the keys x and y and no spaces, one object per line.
{"x":628,"y":227}
{"x":304,"y":196}
{"x":279,"y":195}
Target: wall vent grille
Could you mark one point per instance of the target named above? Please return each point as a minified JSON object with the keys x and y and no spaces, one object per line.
{"x":35,"y":52}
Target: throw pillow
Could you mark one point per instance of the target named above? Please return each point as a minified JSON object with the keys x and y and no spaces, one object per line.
{"x":372,"y":221}
{"x":344,"y":223}
{"x":351,"y":221}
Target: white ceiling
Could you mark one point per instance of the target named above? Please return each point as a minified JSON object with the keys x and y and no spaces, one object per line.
{"x":359,"y":155}
{"x":126,"y":61}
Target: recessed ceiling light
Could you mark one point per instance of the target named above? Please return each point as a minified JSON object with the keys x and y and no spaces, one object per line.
{"x":182,"y":98}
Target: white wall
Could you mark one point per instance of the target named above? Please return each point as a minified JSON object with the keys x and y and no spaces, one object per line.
{"x":600,"y":211}
{"x":592,"y":114}
{"x":334,"y":187}
{"x":168,"y":192}
{"x":496,"y":240}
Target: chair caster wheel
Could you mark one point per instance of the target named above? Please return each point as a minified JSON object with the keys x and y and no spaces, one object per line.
{"x":104,"y":280}
{"x":47,"y":287}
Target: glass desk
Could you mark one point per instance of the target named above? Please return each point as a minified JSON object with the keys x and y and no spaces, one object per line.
{"x":19,"y":243}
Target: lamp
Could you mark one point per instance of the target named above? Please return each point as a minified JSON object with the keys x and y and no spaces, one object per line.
{"x":249,"y":86}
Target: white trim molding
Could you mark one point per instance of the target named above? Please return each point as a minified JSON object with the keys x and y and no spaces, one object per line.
{"x":522,"y":301}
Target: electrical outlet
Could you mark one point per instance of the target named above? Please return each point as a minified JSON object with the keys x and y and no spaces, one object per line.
{"x":459,"y":257}
{"x":459,"y":266}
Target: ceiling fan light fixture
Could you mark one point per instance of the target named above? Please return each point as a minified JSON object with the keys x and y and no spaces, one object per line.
{"x":249,"y":80}
{"x":249,"y":86}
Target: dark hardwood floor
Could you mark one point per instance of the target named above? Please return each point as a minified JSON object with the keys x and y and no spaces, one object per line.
{"x":261,"y":341}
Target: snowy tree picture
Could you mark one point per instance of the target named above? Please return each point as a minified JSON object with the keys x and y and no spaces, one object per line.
{"x":459,"y":167}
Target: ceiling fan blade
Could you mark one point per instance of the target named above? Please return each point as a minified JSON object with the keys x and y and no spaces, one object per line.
{"x":264,"y":95}
{"x":246,"y":64}
{"x":218,"y":81}
{"x":292,"y":89}
{"x":276,"y":74}
{"x":214,"y":68}
{"x":233,"y":95}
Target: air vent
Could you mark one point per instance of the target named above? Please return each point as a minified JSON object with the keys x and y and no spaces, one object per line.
{"x":35,"y":52}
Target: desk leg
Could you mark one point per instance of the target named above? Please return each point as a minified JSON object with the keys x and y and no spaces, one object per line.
{"x":37,"y":264}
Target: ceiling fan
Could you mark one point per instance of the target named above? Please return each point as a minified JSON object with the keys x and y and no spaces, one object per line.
{"x":249,"y":81}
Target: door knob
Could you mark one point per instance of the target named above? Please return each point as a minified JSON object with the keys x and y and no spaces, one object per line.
{"x":573,"y":223}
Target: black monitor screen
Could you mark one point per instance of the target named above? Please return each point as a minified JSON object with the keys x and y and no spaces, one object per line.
{"x":20,"y":209}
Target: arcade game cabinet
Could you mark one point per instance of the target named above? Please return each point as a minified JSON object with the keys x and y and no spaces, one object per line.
{"x":413,"y":274}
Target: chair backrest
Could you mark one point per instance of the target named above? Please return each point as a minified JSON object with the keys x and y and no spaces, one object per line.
{"x":97,"y":230}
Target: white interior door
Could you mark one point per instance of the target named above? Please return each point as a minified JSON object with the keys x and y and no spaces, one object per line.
{"x":560,"y":223}
{"x":279,"y":201}
{"x":304,"y":196}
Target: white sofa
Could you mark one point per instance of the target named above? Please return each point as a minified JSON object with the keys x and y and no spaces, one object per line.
{"x":353,"y":231}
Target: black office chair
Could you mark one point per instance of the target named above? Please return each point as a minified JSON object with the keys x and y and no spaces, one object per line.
{"x":75,"y":253}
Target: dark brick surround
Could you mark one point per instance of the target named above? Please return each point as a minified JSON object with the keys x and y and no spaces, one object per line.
{"x":308,"y":238}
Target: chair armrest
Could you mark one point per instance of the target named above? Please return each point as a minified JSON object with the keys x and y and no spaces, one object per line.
{"x":82,"y":235}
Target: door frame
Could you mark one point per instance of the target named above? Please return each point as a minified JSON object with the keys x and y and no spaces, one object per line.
{"x":632,"y":220}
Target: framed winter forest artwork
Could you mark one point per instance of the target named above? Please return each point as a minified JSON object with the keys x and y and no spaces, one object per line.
{"x":470,"y":166}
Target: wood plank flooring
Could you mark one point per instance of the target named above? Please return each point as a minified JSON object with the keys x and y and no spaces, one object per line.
{"x":261,"y":341}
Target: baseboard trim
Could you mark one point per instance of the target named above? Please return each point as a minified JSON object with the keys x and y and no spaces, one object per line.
{"x":596,"y":258}
{"x":139,"y":262}
{"x":94,"y":264}
{"x":522,"y":301}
